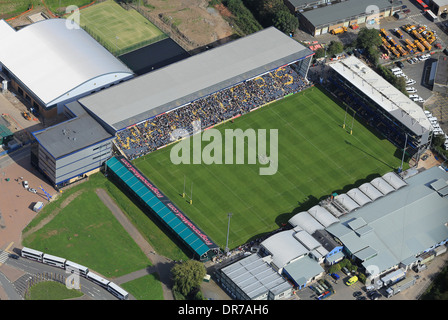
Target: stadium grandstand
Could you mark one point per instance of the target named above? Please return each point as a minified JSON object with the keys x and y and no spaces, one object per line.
{"x":212,"y":86}
{"x":50,"y":65}
{"x":380,"y":104}
{"x":151,"y":198}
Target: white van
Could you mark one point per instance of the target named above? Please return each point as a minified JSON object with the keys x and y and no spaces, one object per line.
{"x":396,"y":69}
{"x":413,"y":96}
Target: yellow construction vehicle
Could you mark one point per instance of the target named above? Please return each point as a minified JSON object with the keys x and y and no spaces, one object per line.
{"x":338,"y":30}
{"x":402,"y":51}
{"x":419,"y":46}
{"x":426,"y":45}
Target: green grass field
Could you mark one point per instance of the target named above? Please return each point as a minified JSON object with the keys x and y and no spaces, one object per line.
{"x":316,"y":157}
{"x":117,"y":29}
{"x":86,"y":232}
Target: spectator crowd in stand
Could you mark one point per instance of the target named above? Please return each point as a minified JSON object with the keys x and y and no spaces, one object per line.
{"x":213,"y":109}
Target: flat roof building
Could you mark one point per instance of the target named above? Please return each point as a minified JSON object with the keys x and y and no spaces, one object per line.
{"x":252,"y":278}
{"x":394,"y":230}
{"x":72,"y":149}
{"x":322,"y":19}
{"x":50,"y":64}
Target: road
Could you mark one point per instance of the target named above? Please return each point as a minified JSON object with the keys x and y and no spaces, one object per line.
{"x":14,"y":274}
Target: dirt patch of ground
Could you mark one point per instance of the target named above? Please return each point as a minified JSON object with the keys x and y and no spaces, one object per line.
{"x":200,"y":24}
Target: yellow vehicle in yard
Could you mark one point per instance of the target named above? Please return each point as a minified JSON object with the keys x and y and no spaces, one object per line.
{"x":352,"y":280}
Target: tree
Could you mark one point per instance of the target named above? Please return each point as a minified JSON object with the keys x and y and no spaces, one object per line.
{"x":285,"y":21}
{"x":368,"y":38}
{"x":187,"y":276}
{"x":334,"y":48}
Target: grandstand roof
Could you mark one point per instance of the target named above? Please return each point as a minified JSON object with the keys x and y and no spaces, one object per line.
{"x":384,"y":94}
{"x":195,"y":77}
{"x":51,"y":59}
{"x":165,"y":210}
{"x":397,"y":226}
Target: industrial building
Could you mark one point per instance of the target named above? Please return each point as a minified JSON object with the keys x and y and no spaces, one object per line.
{"x":49,"y":64}
{"x":72,"y":149}
{"x":403,"y":224}
{"x":319,"y":17}
{"x":438,"y":6}
{"x":252,"y":278}
{"x":380,"y":104}
{"x":396,"y":230}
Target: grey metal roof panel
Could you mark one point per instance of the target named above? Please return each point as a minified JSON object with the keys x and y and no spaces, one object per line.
{"x":72,"y":135}
{"x":342,"y":11}
{"x":439,"y":184}
{"x":197,"y":76}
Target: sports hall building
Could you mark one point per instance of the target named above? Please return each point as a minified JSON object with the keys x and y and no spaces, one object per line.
{"x":49,"y":64}
{"x":380,"y":104}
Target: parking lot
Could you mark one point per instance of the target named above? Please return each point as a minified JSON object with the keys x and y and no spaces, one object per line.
{"x":345,"y":292}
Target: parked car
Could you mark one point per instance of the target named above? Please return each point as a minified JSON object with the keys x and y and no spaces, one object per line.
{"x":352,"y":280}
{"x":400,"y":64}
{"x":406,"y":11}
{"x":335,"y":276}
{"x":32,"y":190}
{"x":25,"y":184}
{"x":345,"y":270}
{"x":412,"y":90}
{"x":374,"y":295}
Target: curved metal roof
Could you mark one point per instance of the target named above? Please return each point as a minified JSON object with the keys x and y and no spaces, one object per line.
{"x":347,"y":202}
{"x":382,"y":185}
{"x":370,"y":191}
{"x":305,"y":221}
{"x":322,"y":216}
{"x":284,"y":247}
{"x":394,"y":180}
{"x":359,"y":197}
{"x":51,"y":59}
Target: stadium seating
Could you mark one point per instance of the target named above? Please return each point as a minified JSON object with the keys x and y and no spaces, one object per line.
{"x":154,"y":133}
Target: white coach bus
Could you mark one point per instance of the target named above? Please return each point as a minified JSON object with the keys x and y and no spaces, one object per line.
{"x":73,"y":267}
{"x":32,"y":254}
{"x":117,"y":291}
{"x":54,"y":261}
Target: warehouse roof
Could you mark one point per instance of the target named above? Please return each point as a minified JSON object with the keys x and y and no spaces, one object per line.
{"x":303,"y":270}
{"x":51,"y":59}
{"x":397,"y":226}
{"x":195,"y":77}
{"x":342,"y":11}
{"x":255,"y":277}
{"x":392,"y":100}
